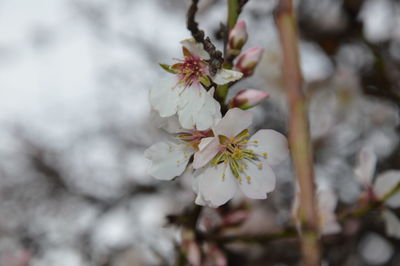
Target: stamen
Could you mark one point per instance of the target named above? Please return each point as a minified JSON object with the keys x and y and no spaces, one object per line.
{"x":248,"y":179}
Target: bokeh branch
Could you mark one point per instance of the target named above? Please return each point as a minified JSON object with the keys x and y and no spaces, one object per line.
{"x":299,"y":135}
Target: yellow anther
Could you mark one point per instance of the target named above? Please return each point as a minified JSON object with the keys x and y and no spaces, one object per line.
{"x":265,"y":154}
{"x":248,"y":179}
{"x":237,"y":154}
{"x":256,"y":141}
{"x":260,"y":165}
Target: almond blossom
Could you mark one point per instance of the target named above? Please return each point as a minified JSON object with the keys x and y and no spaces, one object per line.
{"x":184,"y":93}
{"x":385,"y":188}
{"x":232,"y":160}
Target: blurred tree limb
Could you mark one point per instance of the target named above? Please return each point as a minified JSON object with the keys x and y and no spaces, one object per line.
{"x":299,"y":134}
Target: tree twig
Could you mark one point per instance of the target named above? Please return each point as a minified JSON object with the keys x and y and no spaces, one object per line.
{"x":216,"y":60}
{"x":299,"y":135}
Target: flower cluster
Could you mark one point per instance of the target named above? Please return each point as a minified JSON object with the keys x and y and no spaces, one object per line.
{"x":218,"y":150}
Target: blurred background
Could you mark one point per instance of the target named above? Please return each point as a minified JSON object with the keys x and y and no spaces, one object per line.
{"x":75,"y":120}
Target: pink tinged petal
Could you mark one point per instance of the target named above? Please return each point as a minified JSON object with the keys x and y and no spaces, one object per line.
{"x":168,"y":160}
{"x":392,"y":223}
{"x":208,"y":148}
{"x":209,"y":113}
{"x":271,"y":143}
{"x":248,"y":60}
{"x":257,"y":181}
{"x":165,"y":97}
{"x":217,"y":185}
{"x":225,"y":76}
{"x":248,"y":98}
{"x":237,"y":36}
{"x":195,"y":48}
{"x":234,"y":122}
{"x":365,"y":169}
{"x":194,"y":253}
{"x":384,"y":184}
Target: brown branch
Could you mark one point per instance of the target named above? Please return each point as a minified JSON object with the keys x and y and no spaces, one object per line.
{"x":299,"y":135}
{"x":216,"y":60}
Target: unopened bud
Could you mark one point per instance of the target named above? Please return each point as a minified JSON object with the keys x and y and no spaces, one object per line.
{"x":237,"y":38}
{"x":247,"y":61}
{"x":245,"y":99}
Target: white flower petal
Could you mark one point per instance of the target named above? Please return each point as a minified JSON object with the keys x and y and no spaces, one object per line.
{"x":190,"y":102}
{"x":165,"y":97}
{"x":169,"y":124}
{"x":195,"y":186}
{"x":209,"y":113}
{"x":392,"y":223}
{"x":234,"y":122}
{"x":272,"y":142}
{"x":385,"y":183}
{"x":168,"y":160}
{"x":195,"y":48}
{"x":208,"y":148}
{"x":258,"y":181}
{"x":225,"y":76}
{"x":365,"y":169}
{"x":197,"y":108}
{"x":216,"y":185}
{"x":200,"y":200}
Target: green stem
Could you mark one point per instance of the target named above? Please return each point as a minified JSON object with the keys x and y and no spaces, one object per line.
{"x":254,"y":239}
{"x":233,"y":13}
{"x":221,"y":93}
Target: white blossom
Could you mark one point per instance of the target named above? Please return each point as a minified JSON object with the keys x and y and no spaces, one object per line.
{"x":231,"y":159}
{"x":183,"y":92}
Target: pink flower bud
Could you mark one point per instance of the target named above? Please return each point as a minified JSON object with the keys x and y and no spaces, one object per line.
{"x":247,"y":98}
{"x":248,"y":60}
{"x":237,"y":38}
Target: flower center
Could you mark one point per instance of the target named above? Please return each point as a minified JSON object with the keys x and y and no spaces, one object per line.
{"x":235,"y":152}
{"x":191,"y":70}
